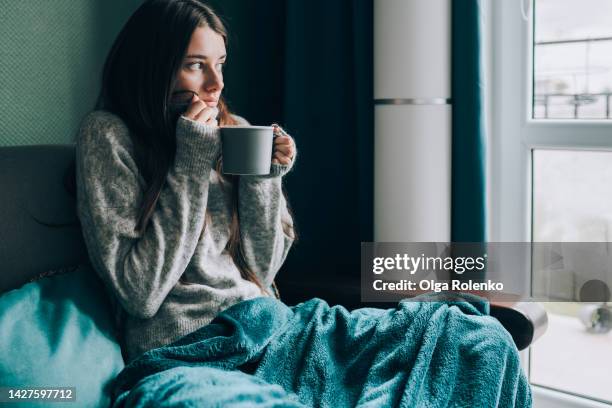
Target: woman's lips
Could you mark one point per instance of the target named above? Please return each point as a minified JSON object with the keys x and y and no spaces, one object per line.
{"x":211,"y":102}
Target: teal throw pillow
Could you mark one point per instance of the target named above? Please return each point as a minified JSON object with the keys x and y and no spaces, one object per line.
{"x":58,"y":332}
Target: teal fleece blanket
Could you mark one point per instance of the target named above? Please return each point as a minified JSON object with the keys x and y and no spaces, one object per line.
{"x":263,"y":353}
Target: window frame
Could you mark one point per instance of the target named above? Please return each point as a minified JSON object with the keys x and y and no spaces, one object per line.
{"x":512,"y":134}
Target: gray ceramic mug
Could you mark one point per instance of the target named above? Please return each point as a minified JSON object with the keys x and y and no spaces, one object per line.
{"x":246,"y":150}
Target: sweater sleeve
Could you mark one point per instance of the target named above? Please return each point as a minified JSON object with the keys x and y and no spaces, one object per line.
{"x":141,"y":268}
{"x":266,"y":227}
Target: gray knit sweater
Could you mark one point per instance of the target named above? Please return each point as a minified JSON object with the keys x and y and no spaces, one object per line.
{"x":174,"y":277}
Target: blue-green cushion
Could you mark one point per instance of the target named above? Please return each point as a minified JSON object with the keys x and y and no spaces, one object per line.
{"x":58,"y":331}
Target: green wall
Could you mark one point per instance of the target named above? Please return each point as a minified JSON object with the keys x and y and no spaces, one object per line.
{"x":51,"y":58}
{"x":52,"y":54}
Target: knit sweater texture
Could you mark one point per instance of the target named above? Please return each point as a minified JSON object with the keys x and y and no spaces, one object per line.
{"x":177,"y":275}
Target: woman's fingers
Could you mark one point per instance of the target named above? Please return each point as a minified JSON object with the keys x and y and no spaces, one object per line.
{"x":278,"y":130}
{"x":281,"y":158}
{"x":194,"y":108}
{"x":283,"y":140}
{"x":284,"y":148}
{"x":200,"y":112}
{"x":206,"y":114}
{"x":287,"y":149}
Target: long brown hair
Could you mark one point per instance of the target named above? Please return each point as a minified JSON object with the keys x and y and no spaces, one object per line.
{"x":138,"y":79}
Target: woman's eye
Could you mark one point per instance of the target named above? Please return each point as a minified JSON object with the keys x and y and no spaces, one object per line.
{"x":195,"y":65}
{"x":200,"y":65}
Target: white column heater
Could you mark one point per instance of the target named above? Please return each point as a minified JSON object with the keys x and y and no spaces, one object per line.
{"x":412,"y":120}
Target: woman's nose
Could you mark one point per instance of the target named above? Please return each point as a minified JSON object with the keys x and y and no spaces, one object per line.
{"x":214,"y":82}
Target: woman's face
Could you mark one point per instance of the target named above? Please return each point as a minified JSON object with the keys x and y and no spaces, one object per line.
{"x":202,"y":67}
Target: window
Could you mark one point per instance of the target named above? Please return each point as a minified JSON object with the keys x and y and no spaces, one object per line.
{"x":572,"y":59}
{"x":572,"y":202}
{"x":551,"y":166}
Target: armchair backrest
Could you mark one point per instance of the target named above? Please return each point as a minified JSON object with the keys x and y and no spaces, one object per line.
{"x":33,"y":194}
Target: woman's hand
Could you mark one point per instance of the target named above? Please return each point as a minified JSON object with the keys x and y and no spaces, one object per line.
{"x":200,"y":112}
{"x":284,"y":148}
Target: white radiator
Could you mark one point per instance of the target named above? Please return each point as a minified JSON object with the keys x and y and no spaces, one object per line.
{"x":412,"y":145}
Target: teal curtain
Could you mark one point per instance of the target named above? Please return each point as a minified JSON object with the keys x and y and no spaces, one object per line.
{"x":468,"y":204}
{"x":311,"y":69}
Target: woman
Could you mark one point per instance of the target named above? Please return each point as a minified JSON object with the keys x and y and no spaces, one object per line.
{"x":174,"y":240}
{"x":177,"y":244}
